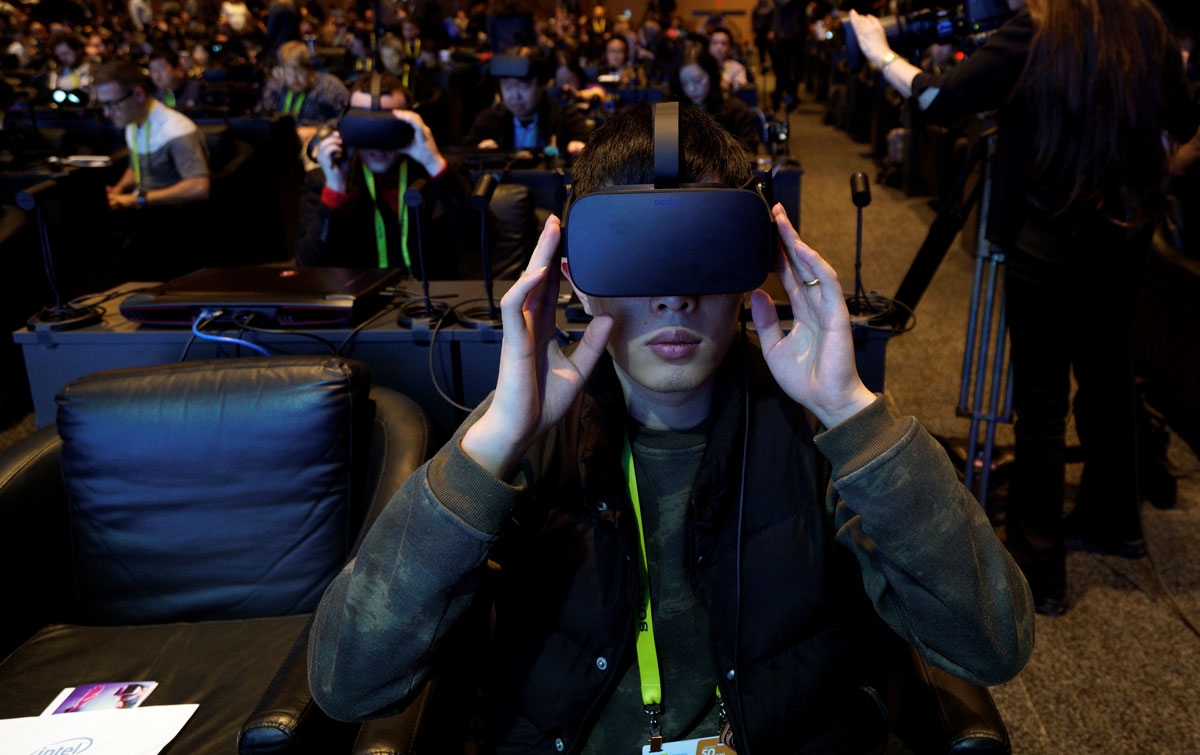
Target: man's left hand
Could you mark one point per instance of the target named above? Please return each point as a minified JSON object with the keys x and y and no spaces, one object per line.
{"x":814,"y":362}
{"x":122,"y":201}
{"x":423,"y":148}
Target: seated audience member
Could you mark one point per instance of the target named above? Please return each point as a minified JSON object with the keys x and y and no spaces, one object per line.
{"x":168,"y":159}
{"x":311,"y":97}
{"x":525,"y":118}
{"x":758,"y":585}
{"x":172,"y":87}
{"x":345,"y":201}
{"x":720,"y":46}
{"x":697,"y":82}
{"x":417,"y":51}
{"x":392,"y":60}
{"x":616,"y":68}
{"x":72,"y":71}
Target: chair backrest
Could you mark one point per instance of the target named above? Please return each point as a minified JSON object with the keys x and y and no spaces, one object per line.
{"x":213,"y":490}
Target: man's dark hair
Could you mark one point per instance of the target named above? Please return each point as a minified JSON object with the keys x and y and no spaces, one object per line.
{"x":721,"y":30}
{"x":618,"y":38}
{"x":388,"y":84}
{"x":71,"y":39}
{"x":161,"y":52}
{"x":621,"y":152}
{"x":123,"y":72}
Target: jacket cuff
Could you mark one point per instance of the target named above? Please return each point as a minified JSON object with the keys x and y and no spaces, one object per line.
{"x":335,"y":200}
{"x":471,"y":492}
{"x":854,"y":443}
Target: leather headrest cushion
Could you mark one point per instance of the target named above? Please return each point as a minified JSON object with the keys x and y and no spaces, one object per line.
{"x":207,"y":490}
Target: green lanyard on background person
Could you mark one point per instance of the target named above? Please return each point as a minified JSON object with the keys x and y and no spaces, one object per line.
{"x":287,"y":103}
{"x":169,"y":98}
{"x":135,"y":135}
{"x":647,"y":651}
{"x":380,"y":229}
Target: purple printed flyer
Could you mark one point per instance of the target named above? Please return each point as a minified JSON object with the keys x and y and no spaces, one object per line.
{"x":110,"y":696}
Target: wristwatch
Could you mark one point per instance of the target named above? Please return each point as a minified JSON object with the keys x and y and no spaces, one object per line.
{"x":887,"y":61}
{"x":141,"y":201}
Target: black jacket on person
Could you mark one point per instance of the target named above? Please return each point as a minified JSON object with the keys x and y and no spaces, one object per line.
{"x":735,"y":116}
{"x":546,"y":562}
{"x":331,"y":237}
{"x":496,"y":123}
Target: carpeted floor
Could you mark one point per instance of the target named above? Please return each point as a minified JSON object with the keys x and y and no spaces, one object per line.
{"x":1118,"y":673}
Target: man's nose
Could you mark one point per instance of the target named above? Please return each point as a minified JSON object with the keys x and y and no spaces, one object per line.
{"x":664,"y":304}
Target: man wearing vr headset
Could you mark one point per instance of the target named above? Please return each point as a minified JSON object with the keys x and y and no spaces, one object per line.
{"x":352,"y":212}
{"x":652,"y":542}
{"x":525,"y":118}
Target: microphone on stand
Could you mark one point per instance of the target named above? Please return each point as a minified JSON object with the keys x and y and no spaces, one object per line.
{"x":62,"y":316}
{"x":481,"y":197}
{"x":420,"y":314}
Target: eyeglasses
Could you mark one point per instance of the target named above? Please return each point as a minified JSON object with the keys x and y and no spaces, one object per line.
{"x":114,"y":103}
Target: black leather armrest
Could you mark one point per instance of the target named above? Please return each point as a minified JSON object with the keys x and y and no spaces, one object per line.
{"x":400,"y":442}
{"x":935,"y":712}
{"x":34,"y":541}
{"x":286,"y":720}
{"x":400,"y":734}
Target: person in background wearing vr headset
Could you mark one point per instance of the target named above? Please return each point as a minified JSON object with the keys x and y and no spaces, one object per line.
{"x":352,"y":212}
{"x":168,"y":158}
{"x":311,"y":97}
{"x":769,"y":548}
{"x":172,"y":86}
{"x":1085,"y":92}
{"x":525,"y":118}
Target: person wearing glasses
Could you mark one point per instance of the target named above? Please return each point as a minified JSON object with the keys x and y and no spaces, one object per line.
{"x":168,"y":162}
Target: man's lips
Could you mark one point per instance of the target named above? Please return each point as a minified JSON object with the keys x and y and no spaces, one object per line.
{"x":674,"y":344}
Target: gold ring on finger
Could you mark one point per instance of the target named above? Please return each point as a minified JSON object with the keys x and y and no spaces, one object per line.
{"x":813,"y":282}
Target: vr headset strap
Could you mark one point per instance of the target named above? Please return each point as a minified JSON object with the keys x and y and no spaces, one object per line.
{"x":666,"y":145}
{"x":376,"y":84}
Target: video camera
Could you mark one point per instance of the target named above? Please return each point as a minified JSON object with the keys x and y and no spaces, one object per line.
{"x":969,"y":24}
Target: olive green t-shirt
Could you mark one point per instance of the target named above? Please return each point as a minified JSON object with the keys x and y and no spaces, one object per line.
{"x":666,"y":464}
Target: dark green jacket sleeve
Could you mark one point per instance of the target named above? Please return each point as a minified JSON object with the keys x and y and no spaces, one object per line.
{"x":931,"y":563}
{"x":415,"y":574}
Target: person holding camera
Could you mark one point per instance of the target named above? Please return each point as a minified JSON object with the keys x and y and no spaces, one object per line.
{"x":1084,"y":92}
{"x":513,"y":556}
{"x":352,"y":212}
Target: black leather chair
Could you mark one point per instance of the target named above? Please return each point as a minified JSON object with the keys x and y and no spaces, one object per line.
{"x":929,"y":712}
{"x":180,"y":523}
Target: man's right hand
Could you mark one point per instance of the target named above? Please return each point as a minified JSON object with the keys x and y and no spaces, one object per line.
{"x":537,"y":382}
{"x":329,"y":152}
{"x":487,"y":144}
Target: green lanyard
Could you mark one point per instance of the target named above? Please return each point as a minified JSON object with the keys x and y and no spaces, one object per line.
{"x":647,"y":651}
{"x":287,"y":103}
{"x":136,"y":131}
{"x":169,"y":98}
{"x":380,"y":230}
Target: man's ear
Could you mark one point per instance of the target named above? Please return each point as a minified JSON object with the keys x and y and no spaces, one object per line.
{"x":583,"y":298}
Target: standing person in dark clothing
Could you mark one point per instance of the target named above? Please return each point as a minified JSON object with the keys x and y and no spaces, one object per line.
{"x":509,"y":24}
{"x":344,"y":204}
{"x":283,"y":25}
{"x":1085,"y":89}
{"x":763,"y":20}
{"x":789,"y":51}
{"x":525,"y":118}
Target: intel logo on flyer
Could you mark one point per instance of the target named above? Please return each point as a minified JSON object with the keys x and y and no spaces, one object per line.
{"x":65,"y":747}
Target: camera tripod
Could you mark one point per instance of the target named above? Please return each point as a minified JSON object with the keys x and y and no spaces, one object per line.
{"x":986,"y":369}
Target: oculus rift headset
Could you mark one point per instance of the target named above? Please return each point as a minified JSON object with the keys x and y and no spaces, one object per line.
{"x":374,"y":128}
{"x":667,"y":238}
